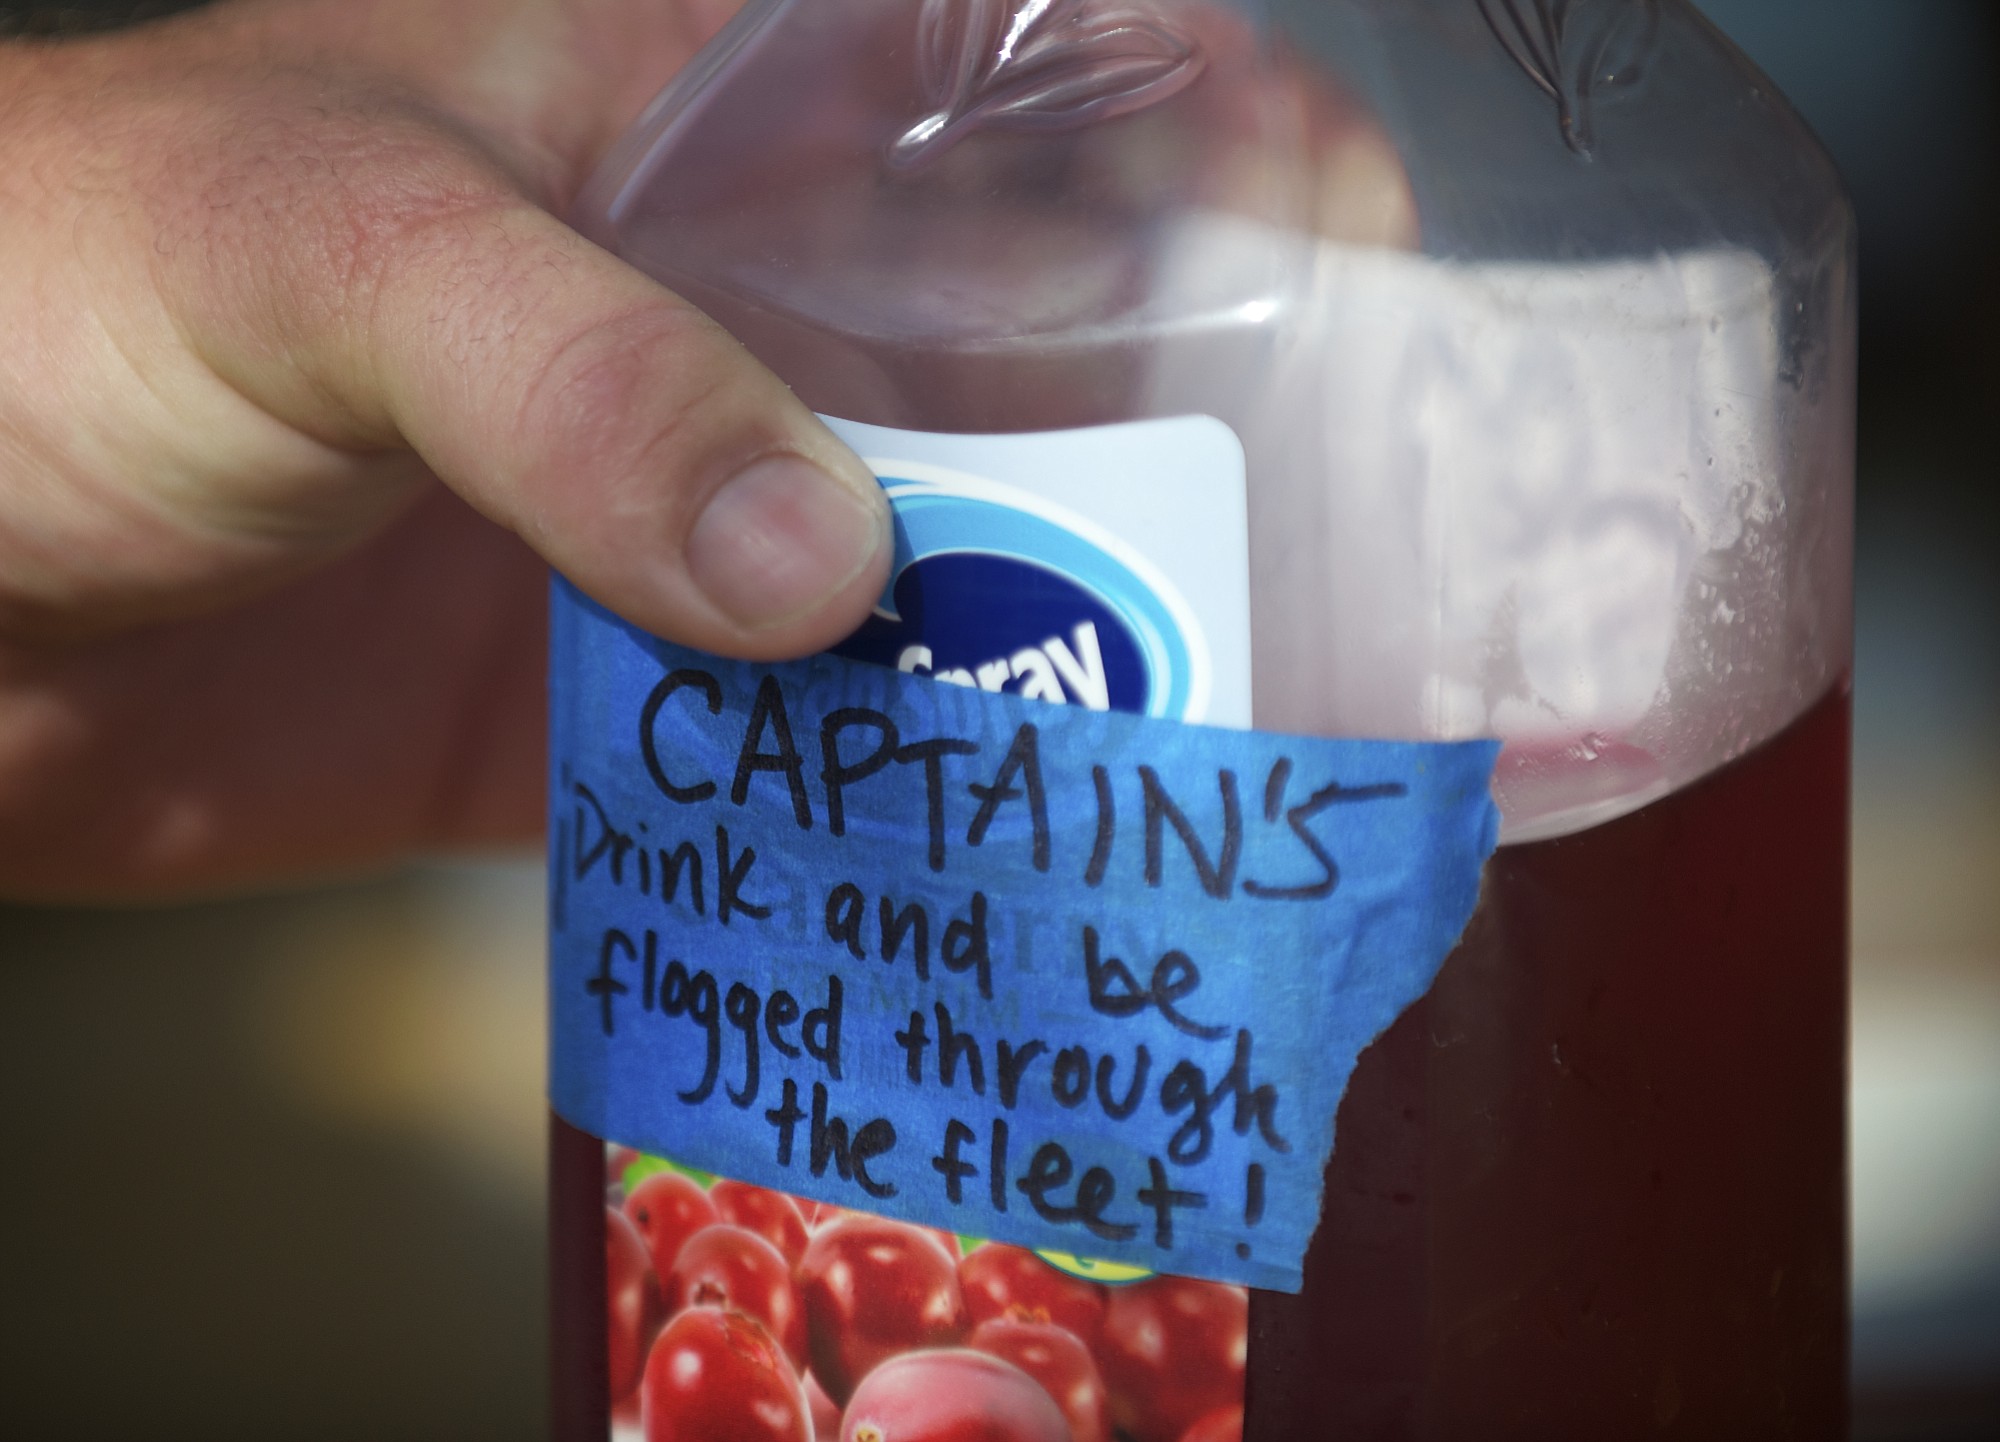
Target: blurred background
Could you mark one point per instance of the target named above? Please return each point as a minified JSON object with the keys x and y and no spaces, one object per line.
{"x":274,"y":1166}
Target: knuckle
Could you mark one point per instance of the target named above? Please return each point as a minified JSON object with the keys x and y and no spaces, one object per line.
{"x":320,"y":188}
{"x":638,"y":401}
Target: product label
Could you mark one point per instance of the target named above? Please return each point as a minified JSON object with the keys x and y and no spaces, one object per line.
{"x":904,"y":936}
{"x":1107,"y":568}
{"x":958,"y":1051}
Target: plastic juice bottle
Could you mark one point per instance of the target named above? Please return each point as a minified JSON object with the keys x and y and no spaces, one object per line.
{"x":1531,"y":329}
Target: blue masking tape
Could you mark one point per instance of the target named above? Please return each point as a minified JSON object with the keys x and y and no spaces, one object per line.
{"x":1077,"y":980}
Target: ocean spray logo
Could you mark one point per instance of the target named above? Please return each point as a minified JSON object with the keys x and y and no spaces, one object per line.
{"x":997,"y":588}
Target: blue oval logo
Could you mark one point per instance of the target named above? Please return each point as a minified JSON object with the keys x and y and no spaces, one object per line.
{"x":997,"y":589}
{"x":1003,"y":624}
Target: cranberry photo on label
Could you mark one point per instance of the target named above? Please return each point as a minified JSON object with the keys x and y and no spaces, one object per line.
{"x":998,"y":1280}
{"x":733,"y":1268}
{"x":1225,"y":1424}
{"x":632,"y":1300}
{"x":952,"y":1395}
{"x":716,"y":1376}
{"x":771,"y":1215}
{"x":872,"y":1288}
{"x":1054,"y":1357}
{"x":825,"y":1415}
{"x":1173,"y":1350}
{"x":668,"y":1208}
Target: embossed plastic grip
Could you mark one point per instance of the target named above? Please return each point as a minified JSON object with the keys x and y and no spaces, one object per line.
{"x":1038,"y":64}
{"x":1577,"y":50}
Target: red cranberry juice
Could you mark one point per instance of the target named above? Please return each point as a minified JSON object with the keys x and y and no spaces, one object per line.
{"x":1591,"y":1187}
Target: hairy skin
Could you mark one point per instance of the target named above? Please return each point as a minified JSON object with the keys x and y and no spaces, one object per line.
{"x":302,"y":386}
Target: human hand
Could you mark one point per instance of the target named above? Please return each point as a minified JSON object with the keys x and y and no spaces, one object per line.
{"x":272,"y":271}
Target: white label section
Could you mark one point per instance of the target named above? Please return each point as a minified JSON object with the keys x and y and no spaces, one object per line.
{"x":1162,"y":502}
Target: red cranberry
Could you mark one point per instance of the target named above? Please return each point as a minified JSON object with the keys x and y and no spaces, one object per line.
{"x":729,"y":1267}
{"x":872,"y":1288}
{"x":999,"y":1280}
{"x":1225,"y":1424}
{"x":668,"y":1208}
{"x":826,"y":1416}
{"x":771,"y":1215}
{"x":1054,"y":1357}
{"x":715,"y":1375}
{"x":632,"y":1296}
{"x":951,"y":1396}
{"x":1173,"y":1349}
{"x":825,"y":1214}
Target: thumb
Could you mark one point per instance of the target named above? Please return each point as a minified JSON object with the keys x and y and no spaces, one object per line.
{"x":414,"y":297}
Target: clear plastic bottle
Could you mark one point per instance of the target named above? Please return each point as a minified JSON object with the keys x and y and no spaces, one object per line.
{"x":1536,"y":325}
